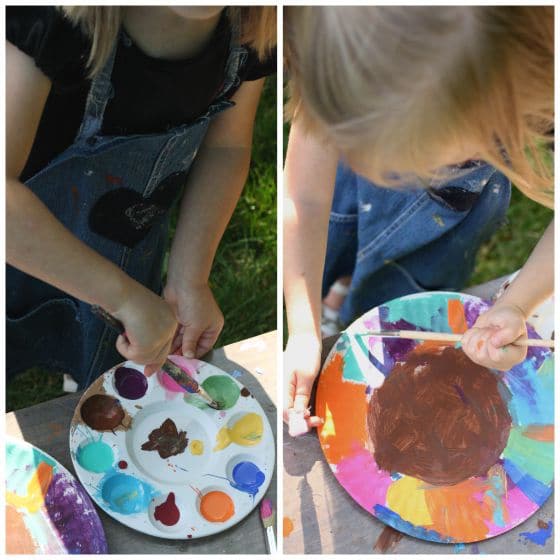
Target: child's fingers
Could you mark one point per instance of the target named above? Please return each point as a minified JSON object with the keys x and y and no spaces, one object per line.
{"x":301,"y":400}
{"x":206,"y":342}
{"x":504,"y":336}
{"x":191,"y":336}
{"x":314,"y":421}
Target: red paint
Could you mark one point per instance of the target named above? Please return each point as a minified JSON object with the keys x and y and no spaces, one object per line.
{"x":168,"y":513}
{"x":123,"y":464}
{"x":114,"y":180}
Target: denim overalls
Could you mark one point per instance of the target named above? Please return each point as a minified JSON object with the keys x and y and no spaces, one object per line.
{"x":396,"y":242}
{"x":114,"y":193}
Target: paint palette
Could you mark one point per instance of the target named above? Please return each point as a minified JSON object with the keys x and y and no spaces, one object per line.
{"x":161,"y":461}
{"x":427,"y":441}
{"x":47,"y":510}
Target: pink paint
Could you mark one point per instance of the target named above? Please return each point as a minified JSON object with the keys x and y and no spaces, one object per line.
{"x":168,"y":513}
{"x":189,"y":366}
{"x":518,"y":507}
{"x":266,"y":508}
{"x":361,"y":477}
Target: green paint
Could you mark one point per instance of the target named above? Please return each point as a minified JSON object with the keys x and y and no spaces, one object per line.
{"x":427,"y":313}
{"x":96,"y":456}
{"x":352,"y":371}
{"x":222,"y":389}
{"x":195,"y":401}
{"x":534,"y":457}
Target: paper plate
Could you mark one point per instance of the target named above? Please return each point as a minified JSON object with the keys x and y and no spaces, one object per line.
{"x":160,"y":461}
{"x":47,"y":510}
{"x":499,"y":468}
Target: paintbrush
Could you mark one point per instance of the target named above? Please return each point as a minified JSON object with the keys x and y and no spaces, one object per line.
{"x":174,"y":371}
{"x":267,"y":517}
{"x":451,"y":337}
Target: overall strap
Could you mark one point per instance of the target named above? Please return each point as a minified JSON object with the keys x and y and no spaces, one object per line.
{"x":100,"y":92}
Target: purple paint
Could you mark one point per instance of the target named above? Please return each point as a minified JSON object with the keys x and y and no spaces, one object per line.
{"x":460,"y":393}
{"x":74,"y":517}
{"x":130,"y":383}
{"x":541,"y":535}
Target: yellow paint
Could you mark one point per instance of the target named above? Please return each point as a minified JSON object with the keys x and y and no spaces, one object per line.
{"x":247,"y":431}
{"x":328,"y":427}
{"x":407,"y":498}
{"x":36,"y":490}
{"x":197,"y":447}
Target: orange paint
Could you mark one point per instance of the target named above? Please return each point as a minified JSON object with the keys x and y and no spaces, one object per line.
{"x":348,"y":423}
{"x":455,"y":510}
{"x":540,"y":433}
{"x":18,"y":539}
{"x":456,"y":316}
{"x":287,"y":527}
{"x":216,"y":506}
{"x":36,"y":490}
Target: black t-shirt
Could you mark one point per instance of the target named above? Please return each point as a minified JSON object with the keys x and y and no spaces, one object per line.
{"x":150,"y":95}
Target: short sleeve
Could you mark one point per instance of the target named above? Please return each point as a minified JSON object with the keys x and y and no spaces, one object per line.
{"x":256,"y":69}
{"x":58,"y":48}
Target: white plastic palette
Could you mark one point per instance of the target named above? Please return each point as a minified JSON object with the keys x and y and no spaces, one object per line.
{"x":222,"y":461}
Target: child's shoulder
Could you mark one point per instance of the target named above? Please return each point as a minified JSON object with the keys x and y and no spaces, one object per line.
{"x":58,"y":48}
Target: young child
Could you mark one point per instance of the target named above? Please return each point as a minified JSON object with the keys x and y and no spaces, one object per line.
{"x":411,"y":96}
{"x":115,"y":115}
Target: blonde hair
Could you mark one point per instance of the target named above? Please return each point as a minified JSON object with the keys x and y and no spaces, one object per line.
{"x":257,"y":26}
{"x":409,"y":82}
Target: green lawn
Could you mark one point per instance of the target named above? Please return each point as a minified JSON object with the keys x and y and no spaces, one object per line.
{"x":244,"y":274}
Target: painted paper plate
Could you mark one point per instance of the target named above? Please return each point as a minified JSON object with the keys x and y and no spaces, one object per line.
{"x":47,"y":510}
{"x":427,"y":441}
{"x":161,"y":461}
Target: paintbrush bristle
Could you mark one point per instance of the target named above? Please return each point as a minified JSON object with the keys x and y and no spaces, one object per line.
{"x":267,"y":513}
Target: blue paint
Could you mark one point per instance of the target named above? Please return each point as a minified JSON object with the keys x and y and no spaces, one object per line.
{"x":391,"y":518}
{"x":126,"y":494}
{"x":536,"y":491}
{"x":539,"y":537}
{"x":236,"y":374}
{"x":247,"y":477}
{"x":532,"y":390}
{"x":458,"y":548}
{"x":496,"y":495}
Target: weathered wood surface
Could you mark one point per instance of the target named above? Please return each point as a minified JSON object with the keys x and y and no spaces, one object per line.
{"x":46,"y":425}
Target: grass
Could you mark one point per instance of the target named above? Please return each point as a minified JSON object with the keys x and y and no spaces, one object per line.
{"x":244,"y":274}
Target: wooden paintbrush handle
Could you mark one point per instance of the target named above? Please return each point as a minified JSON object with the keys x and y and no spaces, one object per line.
{"x":450,"y":337}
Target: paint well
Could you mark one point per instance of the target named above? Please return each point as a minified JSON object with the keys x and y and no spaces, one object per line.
{"x":247,"y":431}
{"x":222,"y":389}
{"x":95,"y":456}
{"x":126,"y":494}
{"x":102,"y":412}
{"x":130,"y":383}
{"x":216,"y":506}
{"x":168,"y":513}
{"x":247,"y":477}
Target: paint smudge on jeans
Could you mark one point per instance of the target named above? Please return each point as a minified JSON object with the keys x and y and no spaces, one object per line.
{"x":438,"y":417}
{"x":387,"y":540}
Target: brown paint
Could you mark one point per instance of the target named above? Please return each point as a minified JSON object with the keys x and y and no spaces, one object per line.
{"x":102,"y":413}
{"x":542,"y":524}
{"x":166,"y":440}
{"x":245,"y":392}
{"x":387,"y":540}
{"x":438,"y":417}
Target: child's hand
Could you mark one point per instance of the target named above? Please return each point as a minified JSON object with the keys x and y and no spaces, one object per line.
{"x":150,"y":324}
{"x":489,"y":341}
{"x":302,"y":360}
{"x":200,"y":319}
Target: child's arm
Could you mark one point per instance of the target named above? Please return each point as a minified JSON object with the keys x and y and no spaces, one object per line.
{"x":211,"y":194}
{"x":41,"y":246}
{"x":309,"y":178}
{"x":489,"y":342}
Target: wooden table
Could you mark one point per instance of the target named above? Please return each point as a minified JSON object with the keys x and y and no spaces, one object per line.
{"x":46,"y":425}
{"x":326,"y":520}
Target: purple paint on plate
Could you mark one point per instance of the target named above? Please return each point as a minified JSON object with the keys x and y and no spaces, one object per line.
{"x":74,"y":516}
{"x":130,"y":383}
